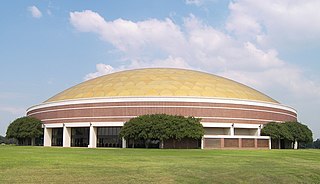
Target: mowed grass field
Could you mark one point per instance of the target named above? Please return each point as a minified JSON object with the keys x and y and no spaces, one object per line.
{"x":82,"y":165}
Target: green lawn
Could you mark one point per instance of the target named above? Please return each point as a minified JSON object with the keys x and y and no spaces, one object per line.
{"x":82,"y":165}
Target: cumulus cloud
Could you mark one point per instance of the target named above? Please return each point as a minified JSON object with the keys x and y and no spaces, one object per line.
{"x":35,"y":12}
{"x":170,"y":62}
{"x":162,"y":43}
{"x":133,"y":38}
{"x":102,"y":69}
{"x":273,"y":23}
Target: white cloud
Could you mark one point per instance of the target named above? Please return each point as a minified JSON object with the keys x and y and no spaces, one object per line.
{"x":102,"y":69}
{"x":170,"y":62}
{"x":133,"y":38}
{"x":274,"y":23}
{"x":162,"y":43}
{"x":35,"y":12}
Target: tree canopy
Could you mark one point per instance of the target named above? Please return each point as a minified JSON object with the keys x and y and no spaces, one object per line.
{"x":316,"y":144}
{"x":299,"y":132}
{"x":162,"y":127}
{"x":292,"y":131}
{"x":24,"y":127}
{"x":276,"y":131}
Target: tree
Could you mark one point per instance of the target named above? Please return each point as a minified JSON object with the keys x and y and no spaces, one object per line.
{"x":162,"y":127}
{"x":276,"y":131}
{"x":316,"y":144}
{"x":299,"y":133}
{"x":290,"y":131}
{"x":3,"y":140}
{"x":25,"y":128}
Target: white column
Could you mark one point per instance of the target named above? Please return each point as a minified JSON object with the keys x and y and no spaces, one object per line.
{"x":124,"y":143}
{"x":33,"y":141}
{"x":270,"y":143}
{"x":92,"y":137}
{"x":296,"y":144}
{"x":66,"y":136}
{"x":47,"y":137}
{"x":259,"y":131}
{"x":232,"y":130}
{"x":202,"y":143}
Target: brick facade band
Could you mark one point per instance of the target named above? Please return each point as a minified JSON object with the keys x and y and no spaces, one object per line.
{"x":244,"y":120}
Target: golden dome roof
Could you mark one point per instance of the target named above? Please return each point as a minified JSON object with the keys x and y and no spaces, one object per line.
{"x":161,"y":82}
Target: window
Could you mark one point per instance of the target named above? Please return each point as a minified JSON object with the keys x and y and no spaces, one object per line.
{"x":109,"y":137}
{"x":80,"y":137}
{"x":57,"y":134}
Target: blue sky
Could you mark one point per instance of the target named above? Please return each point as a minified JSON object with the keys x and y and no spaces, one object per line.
{"x":48,"y":46}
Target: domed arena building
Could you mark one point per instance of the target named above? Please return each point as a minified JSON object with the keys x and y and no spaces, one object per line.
{"x":92,"y":113}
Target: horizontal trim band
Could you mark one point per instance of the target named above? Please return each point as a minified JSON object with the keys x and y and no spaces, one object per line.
{"x":163,"y":99}
{"x":53,"y":125}
{"x":74,"y":125}
{"x":235,"y":136}
{"x":161,"y":106}
{"x":109,"y":117}
{"x":229,"y":125}
{"x":119,"y":123}
{"x":83,"y":124}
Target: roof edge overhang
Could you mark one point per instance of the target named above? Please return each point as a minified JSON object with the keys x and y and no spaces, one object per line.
{"x":162,"y":99}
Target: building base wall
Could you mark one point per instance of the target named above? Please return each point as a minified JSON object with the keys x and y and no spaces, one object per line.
{"x":236,"y":143}
{"x":107,"y":129}
{"x":182,"y":144}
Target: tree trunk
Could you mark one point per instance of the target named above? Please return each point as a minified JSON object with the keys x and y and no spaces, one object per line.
{"x":133,"y":143}
{"x":279,"y":145}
